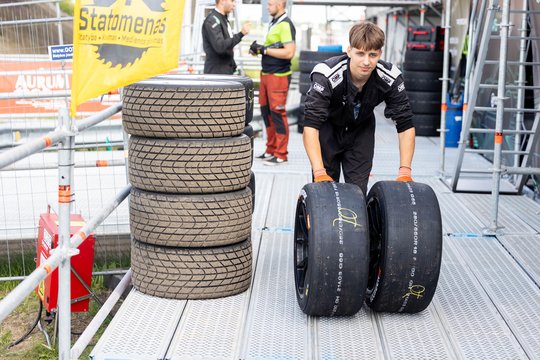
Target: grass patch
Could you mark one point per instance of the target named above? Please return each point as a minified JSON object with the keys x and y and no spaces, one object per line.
{"x":5,"y":339}
{"x":34,"y":347}
{"x":37,"y":351}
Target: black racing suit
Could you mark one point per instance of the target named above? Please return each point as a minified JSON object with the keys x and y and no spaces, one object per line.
{"x":345,"y":119}
{"x":218,"y":44}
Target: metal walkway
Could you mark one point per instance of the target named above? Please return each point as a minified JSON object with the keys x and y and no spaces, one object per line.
{"x":487,"y":304}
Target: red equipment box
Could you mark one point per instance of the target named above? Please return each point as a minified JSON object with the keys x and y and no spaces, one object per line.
{"x":81,"y":263}
{"x":421,"y":33}
{"x":421,"y":46}
{"x":439,"y":39}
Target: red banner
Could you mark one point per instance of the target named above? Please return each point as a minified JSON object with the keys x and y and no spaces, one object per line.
{"x":27,"y":78}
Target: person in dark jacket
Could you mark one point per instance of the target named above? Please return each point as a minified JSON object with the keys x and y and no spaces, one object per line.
{"x":219,"y":41}
{"x":339,"y":128}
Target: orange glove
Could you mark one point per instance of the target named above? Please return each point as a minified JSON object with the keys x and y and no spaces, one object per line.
{"x":404,"y":174}
{"x":321,"y":175}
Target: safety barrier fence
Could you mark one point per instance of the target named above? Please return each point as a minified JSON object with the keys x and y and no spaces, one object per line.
{"x":67,"y":245}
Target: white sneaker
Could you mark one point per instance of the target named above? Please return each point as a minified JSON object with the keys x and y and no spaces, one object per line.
{"x":274,"y":161}
{"x":264,"y":156}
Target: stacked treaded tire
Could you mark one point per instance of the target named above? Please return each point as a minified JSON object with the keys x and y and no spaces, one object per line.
{"x":250,"y":98}
{"x":307,"y":61}
{"x":386,"y":252}
{"x":422,"y":71}
{"x":190,"y":206}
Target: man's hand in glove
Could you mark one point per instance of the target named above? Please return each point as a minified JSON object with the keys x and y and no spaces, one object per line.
{"x":404,"y":174}
{"x":321,"y":176}
{"x":257,"y":49}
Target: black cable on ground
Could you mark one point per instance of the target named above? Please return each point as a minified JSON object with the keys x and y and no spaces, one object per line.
{"x":22,"y":338}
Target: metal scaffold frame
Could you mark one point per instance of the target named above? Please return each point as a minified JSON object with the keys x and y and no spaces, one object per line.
{"x":473,"y":79}
{"x":67,"y":245}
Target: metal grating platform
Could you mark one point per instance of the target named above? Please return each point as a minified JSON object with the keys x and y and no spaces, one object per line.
{"x":525,"y":250}
{"x":142,"y":329}
{"x":474,"y":325}
{"x":508,"y":219}
{"x":487,"y":304}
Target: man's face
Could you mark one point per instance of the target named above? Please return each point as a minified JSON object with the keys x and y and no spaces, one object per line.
{"x":363,"y":62}
{"x":228,"y":5}
{"x":273,"y":7}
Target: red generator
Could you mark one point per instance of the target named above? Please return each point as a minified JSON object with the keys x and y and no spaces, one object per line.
{"x":81,"y":264}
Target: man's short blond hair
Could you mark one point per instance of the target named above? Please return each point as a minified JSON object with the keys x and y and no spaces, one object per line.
{"x":366,"y":36}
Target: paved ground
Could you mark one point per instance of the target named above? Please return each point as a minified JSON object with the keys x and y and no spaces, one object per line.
{"x":487,"y":304}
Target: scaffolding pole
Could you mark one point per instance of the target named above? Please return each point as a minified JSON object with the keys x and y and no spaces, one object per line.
{"x":17,"y":295}
{"x":498,"y":142}
{"x":445,"y":79}
{"x":474,"y":83}
{"x":66,"y":155}
{"x":521,"y":83}
{"x":97,"y":320}
{"x":20,"y":152}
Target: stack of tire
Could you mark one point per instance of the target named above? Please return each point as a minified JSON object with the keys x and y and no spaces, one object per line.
{"x":250,"y":99}
{"x":190,"y":204}
{"x":422,"y":71}
{"x":307,"y":61}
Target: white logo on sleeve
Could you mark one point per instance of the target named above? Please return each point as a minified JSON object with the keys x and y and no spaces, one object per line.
{"x":401,"y":87}
{"x":318,"y":87}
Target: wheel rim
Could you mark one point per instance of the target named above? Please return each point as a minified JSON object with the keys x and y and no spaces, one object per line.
{"x":375,"y":242}
{"x":301,"y":242}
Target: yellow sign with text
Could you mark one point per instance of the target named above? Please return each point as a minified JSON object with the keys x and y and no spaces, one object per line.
{"x":119,"y":42}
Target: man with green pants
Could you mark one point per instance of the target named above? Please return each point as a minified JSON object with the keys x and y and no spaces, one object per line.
{"x":277,"y":52}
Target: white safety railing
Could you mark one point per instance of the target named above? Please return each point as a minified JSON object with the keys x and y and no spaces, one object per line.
{"x":67,"y":246}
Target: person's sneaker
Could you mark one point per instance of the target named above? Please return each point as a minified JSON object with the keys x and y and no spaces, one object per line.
{"x":274,"y":161}
{"x":264,"y":156}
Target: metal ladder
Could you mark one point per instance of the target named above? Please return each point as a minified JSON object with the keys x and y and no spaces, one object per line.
{"x":477,"y":180}
{"x":202,"y":9}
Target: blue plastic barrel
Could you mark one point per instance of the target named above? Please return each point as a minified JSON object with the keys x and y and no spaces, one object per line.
{"x":454,"y":116}
{"x":330,"y":48}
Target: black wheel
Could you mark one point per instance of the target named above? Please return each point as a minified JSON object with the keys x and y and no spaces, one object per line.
{"x":189,"y":166}
{"x":300,"y":124}
{"x":426,"y":124}
{"x":405,"y":246}
{"x":424,"y":102}
{"x":422,"y":81}
{"x":423,"y":61}
{"x":331,"y":249}
{"x":301,"y":109}
{"x":175,"y":108}
{"x":248,"y":131}
{"x":308,"y":59}
{"x":244,"y":80}
{"x":251,"y":186}
{"x":193,"y":220}
{"x":191,"y":273}
{"x":305,"y":83}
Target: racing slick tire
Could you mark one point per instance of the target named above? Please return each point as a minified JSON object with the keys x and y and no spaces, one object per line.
{"x":405,"y":246}
{"x":331,"y":249}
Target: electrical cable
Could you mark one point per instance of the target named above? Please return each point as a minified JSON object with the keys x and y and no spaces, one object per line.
{"x":22,"y":338}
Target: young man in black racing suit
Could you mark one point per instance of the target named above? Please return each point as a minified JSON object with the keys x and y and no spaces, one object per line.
{"x":339,"y":128}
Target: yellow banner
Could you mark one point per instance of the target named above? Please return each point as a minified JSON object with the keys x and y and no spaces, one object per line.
{"x":119,"y":42}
